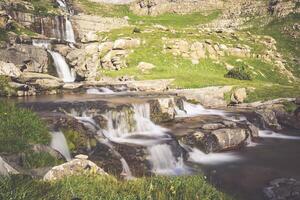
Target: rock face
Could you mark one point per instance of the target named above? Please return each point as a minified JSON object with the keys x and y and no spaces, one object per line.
{"x":89,"y":25}
{"x":239,"y":96}
{"x":78,"y":166}
{"x":6,"y":169}
{"x":26,"y":57}
{"x":157,"y":7}
{"x":9,"y":69}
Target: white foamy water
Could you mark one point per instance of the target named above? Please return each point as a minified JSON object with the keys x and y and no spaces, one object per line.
{"x":191,"y":110}
{"x":62,"y":3}
{"x":198,"y":156}
{"x":101,"y":90}
{"x":70,"y":36}
{"x":62,"y":67}
{"x":59,"y":143}
{"x":272,"y":134}
{"x":163,"y":161}
{"x":126,"y":172}
{"x":41,"y":43}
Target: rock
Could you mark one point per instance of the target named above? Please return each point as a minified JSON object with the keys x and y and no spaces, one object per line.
{"x":72,"y":86}
{"x":6,"y":169}
{"x":77,"y":166}
{"x":48,"y":84}
{"x":283,"y":188}
{"x":208,"y":97}
{"x":253,"y":130}
{"x":9,"y":69}
{"x":32,"y":77}
{"x":144,"y":67}
{"x":91,"y":36}
{"x":212,"y":126}
{"x":297,"y":101}
{"x":82,"y":157}
{"x":162,"y":109}
{"x":239,"y":96}
{"x":126,"y":43}
{"x":267,"y":118}
{"x":150,"y":85}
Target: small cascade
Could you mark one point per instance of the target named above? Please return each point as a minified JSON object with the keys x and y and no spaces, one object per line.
{"x":126,"y":172}
{"x":164,"y":162}
{"x":191,"y":110}
{"x":62,"y":67}
{"x":70,"y":36}
{"x":272,"y":134}
{"x":62,"y":3}
{"x":41,"y":43}
{"x":59,"y":143}
{"x":101,"y":90}
{"x":197,"y":156}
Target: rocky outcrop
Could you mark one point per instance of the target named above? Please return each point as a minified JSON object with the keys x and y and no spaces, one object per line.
{"x":239,"y":95}
{"x":26,"y":57}
{"x":208,"y":97}
{"x":87,"y":25}
{"x":78,"y":166}
{"x":221,"y":136}
{"x":204,"y":49}
{"x":157,"y":7}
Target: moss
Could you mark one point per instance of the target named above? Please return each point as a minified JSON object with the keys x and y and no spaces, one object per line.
{"x":74,"y":139}
{"x":92,"y":187}
{"x":20,"y":128}
{"x":290,"y":107}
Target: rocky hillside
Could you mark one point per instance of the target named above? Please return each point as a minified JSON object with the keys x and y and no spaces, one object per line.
{"x":242,"y":43}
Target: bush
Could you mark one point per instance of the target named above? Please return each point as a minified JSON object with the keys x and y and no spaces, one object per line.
{"x":20,"y":128}
{"x":4,"y":87}
{"x":92,"y":187}
{"x":239,"y":73}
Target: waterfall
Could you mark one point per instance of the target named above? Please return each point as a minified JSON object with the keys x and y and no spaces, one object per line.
{"x":191,"y":110}
{"x":62,"y":3}
{"x":70,"y":36}
{"x":41,"y":43}
{"x":126,"y":172}
{"x":101,"y":90}
{"x":164,"y":162}
{"x":197,"y":156}
{"x":272,"y":134}
{"x":62,"y":67}
{"x":59,"y":143}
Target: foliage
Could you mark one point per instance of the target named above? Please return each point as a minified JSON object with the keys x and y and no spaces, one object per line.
{"x":239,"y":73}
{"x":94,"y":187}
{"x":4,"y":86}
{"x":33,"y":160}
{"x":290,"y":107}
{"x":20,"y":128}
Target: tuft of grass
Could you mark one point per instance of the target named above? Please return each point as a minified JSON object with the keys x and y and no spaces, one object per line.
{"x":239,"y":73}
{"x":92,"y":187}
{"x":20,"y":128}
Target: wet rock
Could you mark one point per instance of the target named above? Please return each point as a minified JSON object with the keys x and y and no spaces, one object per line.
{"x":162,"y":109}
{"x":268,"y":119}
{"x":30,"y":77}
{"x":283,"y":189}
{"x":6,"y":169}
{"x":213,"y":126}
{"x":78,"y":166}
{"x":9,"y":69}
{"x":297,"y":101}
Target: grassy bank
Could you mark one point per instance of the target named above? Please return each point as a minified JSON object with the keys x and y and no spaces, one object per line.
{"x":92,"y":187}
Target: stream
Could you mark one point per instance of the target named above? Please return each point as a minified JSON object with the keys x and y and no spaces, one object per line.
{"x":241,"y":173}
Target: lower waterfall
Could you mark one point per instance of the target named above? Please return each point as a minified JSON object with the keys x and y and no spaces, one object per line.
{"x":59,"y":143}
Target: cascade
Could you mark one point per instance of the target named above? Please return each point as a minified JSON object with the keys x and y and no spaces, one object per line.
{"x":126,"y":172}
{"x":164,"y":162}
{"x":70,"y":36}
{"x":59,"y":143}
{"x":101,"y":90}
{"x":62,"y":67}
{"x":272,"y":134}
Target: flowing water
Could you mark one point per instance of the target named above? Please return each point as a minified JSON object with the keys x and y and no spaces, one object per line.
{"x":59,"y":143}
{"x":101,"y":90}
{"x":62,"y":68}
{"x":70,"y":36}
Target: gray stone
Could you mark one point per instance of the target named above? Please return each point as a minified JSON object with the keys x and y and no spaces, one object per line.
{"x":9,"y":69}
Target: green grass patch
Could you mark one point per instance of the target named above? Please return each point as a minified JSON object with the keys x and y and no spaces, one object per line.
{"x":290,"y":107}
{"x":32,"y":160}
{"x":92,"y":187}
{"x":20,"y":128}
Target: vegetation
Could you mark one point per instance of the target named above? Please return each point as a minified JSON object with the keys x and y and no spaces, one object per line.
{"x":32,"y":160}
{"x":4,"y":86}
{"x":20,"y":128}
{"x":239,"y":73}
{"x":92,"y":187}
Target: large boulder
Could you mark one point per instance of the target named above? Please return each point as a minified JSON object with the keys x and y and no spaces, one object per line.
{"x":29,"y":77}
{"x":239,"y":96}
{"x":126,"y":43}
{"x":78,"y":166}
{"x":48,"y":84}
{"x":9,"y":69}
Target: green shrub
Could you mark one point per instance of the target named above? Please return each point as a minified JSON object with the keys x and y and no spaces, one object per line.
{"x":94,"y":187}
{"x":239,"y":73}
{"x":20,"y":128}
{"x":4,"y":87}
{"x":33,"y":160}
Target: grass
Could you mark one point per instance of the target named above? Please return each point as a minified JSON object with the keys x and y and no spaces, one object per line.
{"x":20,"y":128}
{"x":92,"y":187}
{"x":32,"y":160}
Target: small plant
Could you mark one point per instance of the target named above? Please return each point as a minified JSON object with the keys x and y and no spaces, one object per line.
{"x":136,"y":30}
{"x":239,"y":73}
{"x":20,"y":128}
